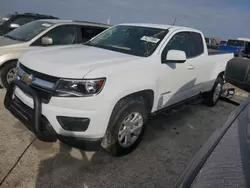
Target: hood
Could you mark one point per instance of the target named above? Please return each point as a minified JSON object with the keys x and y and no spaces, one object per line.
{"x":72,"y":61}
{"x":6,"y":42}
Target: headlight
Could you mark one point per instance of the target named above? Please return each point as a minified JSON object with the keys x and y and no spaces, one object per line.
{"x":79,"y":88}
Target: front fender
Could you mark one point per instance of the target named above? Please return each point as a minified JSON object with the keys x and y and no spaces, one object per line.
{"x":9,"y":56}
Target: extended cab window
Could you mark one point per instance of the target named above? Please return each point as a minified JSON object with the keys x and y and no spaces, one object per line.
{"x":61,"y":35}
{"x":196,"y":46}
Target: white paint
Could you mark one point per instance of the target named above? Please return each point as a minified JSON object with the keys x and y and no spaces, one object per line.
{"x":244,"y":39}
{"x":125,"y":74}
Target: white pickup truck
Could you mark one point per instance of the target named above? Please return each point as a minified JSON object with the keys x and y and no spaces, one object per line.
{"x":101,"y":93}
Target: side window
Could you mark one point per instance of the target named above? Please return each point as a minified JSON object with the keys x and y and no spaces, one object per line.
{"x":196,"y":46}
{"x":23,"y":20}
{"x":178,"y":42}
{"x":89,"y":32}
{"x":62,"y":35}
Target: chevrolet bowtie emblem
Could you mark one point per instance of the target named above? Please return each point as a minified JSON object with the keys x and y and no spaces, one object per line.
{"x":27,"y":79}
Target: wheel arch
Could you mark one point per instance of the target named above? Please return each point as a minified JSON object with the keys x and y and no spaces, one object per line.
{"x":221,"y":74}
{"x":4,"y":63}
{"x":147,"y":95}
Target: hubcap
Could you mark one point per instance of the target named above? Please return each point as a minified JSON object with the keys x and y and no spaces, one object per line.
{"x":130,"y":129}
{"x":217,"y":92}
{"x":11,"y":75}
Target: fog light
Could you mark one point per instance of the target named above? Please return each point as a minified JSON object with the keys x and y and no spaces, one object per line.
{"x":73,"y":123}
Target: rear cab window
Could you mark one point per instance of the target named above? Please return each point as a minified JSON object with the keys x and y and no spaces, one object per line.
{"x":236,"y":43}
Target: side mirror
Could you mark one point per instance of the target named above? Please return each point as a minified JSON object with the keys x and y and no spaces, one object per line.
{"x":14,"y":26}
{"x":175,"y":56}
{"x":47,"y":41}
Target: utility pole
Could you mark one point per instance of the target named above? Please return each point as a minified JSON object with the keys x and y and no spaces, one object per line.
{"x":174,"y":20}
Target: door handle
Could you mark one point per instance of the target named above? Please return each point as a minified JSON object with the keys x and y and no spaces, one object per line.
{"x":191,"y":67}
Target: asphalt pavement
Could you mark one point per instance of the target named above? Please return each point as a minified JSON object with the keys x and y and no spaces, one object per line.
{"x":169,"y":144}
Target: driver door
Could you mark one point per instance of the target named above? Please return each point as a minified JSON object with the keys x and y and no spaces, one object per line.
{"x":177,"y":80}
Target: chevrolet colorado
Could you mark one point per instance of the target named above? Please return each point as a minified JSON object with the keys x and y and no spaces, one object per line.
{"x":101,"y":93}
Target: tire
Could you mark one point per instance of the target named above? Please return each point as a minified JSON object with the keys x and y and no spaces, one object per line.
{"x":125,"y":109}
{"x":4,"y":73}
{"x":209,"y":97}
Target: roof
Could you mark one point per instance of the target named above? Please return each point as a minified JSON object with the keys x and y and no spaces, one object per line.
{"x":38,"y":15}
{"x":55,"y":21}
{"x":159,"y":26}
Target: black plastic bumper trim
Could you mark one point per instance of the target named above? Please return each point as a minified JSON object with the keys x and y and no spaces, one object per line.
{"x":75,"y":124}
{"x":38,"y":124}
{"x":87,"y":144}
{"x":35,"y":118}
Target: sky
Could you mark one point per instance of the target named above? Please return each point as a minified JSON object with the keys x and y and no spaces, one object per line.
{"x":216,"y":18}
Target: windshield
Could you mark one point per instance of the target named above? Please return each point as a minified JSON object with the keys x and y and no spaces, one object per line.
{"x":223,"y":42}
{"x":28,"y":31}
{"x":207,"y":40}
{"x":134,"y":40}
{"x":236,"y":43}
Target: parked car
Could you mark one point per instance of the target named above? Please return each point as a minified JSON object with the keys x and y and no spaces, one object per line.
{"x":101,"y":93}
{"x":234,"y":46}
{"x":39,"y":34}
{"x":222,"y":43}
{"x":211,"y":43}
{"x":12,"y":21}
{"x":223,"y":161}
{"x":246,"y":52}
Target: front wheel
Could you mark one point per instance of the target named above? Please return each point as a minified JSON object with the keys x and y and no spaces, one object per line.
{"x":8,"y":73}
{"x":212,"y":97}
{"x":126,"y":126}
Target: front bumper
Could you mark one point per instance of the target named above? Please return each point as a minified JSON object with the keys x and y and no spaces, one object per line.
{"x":38,"y":123}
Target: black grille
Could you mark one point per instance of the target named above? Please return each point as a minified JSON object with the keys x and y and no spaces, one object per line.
{"x":44,"y":94}
{"x":42,"y":76}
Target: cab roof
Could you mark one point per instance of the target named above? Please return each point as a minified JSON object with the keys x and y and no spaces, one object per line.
{"x":159,"y":26}
{"x":57,"y":21}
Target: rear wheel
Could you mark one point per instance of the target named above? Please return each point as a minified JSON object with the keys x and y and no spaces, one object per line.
{"x":8,"y":73}
{"x":212,"y":97}
{"x":126,"y":127}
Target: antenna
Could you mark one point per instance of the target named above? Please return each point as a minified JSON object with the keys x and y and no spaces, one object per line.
{"x":174,"y":20}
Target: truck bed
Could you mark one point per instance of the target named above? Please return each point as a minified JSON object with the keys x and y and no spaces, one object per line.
{"x":216,"y":52}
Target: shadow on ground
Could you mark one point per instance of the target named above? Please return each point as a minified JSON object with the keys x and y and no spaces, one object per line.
{"x":171,"y":140}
